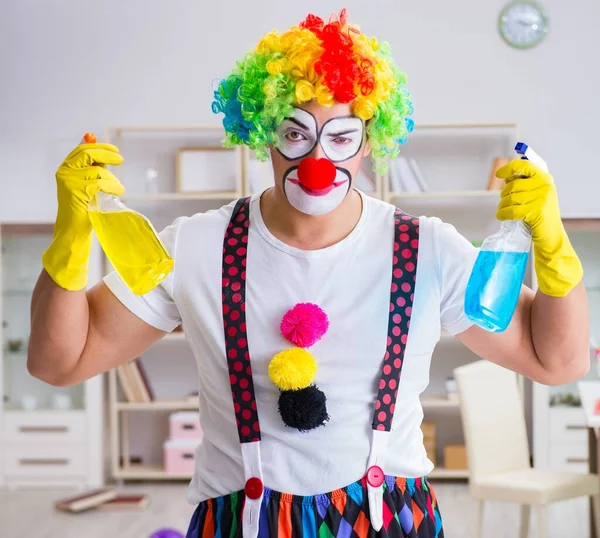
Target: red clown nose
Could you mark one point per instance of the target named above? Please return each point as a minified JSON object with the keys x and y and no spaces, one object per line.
{"x":316,"y":174}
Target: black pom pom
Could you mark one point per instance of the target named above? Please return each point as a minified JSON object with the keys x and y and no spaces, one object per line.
{"x":303,"y":409}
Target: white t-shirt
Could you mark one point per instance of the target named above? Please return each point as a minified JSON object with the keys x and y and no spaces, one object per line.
{"x":350,"y":281}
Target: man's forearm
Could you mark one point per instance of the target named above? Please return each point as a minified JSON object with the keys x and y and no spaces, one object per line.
{"x":59,"y":329}
{"x":560,"y":331}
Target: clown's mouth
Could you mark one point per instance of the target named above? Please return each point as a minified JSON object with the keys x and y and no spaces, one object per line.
{"x":317,"y":192}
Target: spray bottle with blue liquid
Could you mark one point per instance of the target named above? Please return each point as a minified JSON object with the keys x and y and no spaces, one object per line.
{"x":495,"y":283}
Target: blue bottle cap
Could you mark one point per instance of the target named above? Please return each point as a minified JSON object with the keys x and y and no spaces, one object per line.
{"x":521,"y":148}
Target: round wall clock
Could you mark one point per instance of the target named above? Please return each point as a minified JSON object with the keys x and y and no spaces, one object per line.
{"x":523,"y":24}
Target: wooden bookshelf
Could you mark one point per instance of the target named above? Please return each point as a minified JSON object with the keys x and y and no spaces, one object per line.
{"x":177,"y":196}
{"x":120,"y":418}
{"x":491,"y":195}
{"x":158,"y":405}
{"x":451,"y":161}
{"x":147,"y":472}
{"x":158,"y":148}
{"x":177,"y":336}
{"x":441,"y":402}
{"x":439,"y":473}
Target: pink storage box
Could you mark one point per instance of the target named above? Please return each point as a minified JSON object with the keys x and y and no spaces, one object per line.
{"x":180,"y":456}
{"x":185,"y":425}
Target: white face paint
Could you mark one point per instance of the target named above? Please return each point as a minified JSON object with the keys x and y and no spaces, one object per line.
{"x":297,"y":135}
{"x":316,"y":202}
{"x":340,"y":138}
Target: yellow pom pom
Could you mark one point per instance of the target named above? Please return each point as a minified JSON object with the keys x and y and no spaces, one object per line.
{"x":293,"y":369}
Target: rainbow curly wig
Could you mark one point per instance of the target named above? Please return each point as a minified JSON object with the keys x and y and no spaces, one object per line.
{"x":330,"y":63}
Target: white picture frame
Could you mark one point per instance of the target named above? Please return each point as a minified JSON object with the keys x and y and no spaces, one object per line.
{"x":207,"y":169}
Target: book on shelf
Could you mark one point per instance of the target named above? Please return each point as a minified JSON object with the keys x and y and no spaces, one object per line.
{"x":125,"y":502}
{"x":418,"y":174}
{"x":126,"y":383}
{"x":494,"y":183}
{"x":406,"y":176}
{"x":142,"y":381}
{"x":86,"y":501}
{"x":395,"y":183}
{"x":134,"y":382}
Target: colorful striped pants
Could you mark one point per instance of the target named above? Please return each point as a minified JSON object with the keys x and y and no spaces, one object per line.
{"x":410,"y":511}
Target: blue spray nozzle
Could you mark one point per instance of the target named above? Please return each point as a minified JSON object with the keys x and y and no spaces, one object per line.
{"x":527,"y":153}
{"x":521,"y":148}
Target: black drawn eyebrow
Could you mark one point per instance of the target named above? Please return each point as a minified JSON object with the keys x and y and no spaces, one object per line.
{"x":342,"y":133}
{"x":298,"y":123}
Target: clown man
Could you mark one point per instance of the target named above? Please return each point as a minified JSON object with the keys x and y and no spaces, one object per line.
{"x":312,"y":309}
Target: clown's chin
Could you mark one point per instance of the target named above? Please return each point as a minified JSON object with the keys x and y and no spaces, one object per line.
{"x":316,"y":203}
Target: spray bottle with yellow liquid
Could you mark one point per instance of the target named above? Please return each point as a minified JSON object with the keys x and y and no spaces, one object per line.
{"x":129,"y":240}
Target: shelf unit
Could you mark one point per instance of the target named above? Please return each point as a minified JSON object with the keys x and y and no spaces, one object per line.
{"x":440,"y":402}
{"x":120,"y":432}
{"x":559,"y":433}
{"x":152,"y":153}
{"x":41,"y":444}
{"x":460,"y":154}
{"x":455,"y":159}
{"x":396,"y":196}
{"x":175,"y":196}
{"x":162,"y":405}
{"x":177,"y":336}
{"x":439,"y":473}
{"x":149,"y":175}
{"x":148,"y":472}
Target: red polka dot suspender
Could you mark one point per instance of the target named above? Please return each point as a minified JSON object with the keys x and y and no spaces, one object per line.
{"x":406,"y":246}
{"x":404,"y":276}
{"x":234,"y":323}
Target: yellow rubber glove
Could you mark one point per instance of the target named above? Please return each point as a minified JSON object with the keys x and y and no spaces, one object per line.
{"x":78,"y":179}
{"x":530,"y":195}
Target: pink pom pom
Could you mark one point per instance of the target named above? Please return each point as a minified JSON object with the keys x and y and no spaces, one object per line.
{"x":304,"y":325}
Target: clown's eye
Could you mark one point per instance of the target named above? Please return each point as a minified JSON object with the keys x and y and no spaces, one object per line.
{"x":342,"y":140}
{"x":294,"y":136}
